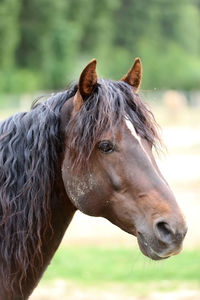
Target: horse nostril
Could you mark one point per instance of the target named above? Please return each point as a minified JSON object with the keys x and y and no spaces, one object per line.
{"x":164,"y":232}
{"x":164,"y":228}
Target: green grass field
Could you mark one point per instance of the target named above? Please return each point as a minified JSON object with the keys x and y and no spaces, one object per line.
{"x":89,"y":265}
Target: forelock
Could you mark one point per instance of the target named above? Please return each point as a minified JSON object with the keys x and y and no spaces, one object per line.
{"x":103,"y":111}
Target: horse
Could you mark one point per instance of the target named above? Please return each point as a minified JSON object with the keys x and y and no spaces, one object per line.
{"x":87,"y":148}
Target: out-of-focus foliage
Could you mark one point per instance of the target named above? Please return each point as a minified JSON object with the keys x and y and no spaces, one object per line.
{"x":44,"y":44}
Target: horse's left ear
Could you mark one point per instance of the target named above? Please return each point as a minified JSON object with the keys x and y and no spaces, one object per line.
{"x":133,"y":77}
{"x":87,"y":81}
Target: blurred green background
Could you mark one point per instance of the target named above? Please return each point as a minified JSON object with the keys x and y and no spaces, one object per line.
{"x":44,"y":45}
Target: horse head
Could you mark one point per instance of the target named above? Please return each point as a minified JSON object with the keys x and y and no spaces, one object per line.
{"x":109,"y":169}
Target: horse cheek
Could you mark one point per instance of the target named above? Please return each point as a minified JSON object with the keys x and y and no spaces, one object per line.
{"x":84,"y":192}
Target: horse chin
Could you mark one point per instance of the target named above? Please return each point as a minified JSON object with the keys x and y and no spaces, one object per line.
{"x":147,"y":250}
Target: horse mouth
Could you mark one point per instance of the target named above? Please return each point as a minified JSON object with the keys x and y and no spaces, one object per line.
{"x":147,"y":250}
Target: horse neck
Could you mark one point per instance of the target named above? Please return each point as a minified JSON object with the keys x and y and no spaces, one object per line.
{"x":62,"y":211}
{"x":62,"y":214}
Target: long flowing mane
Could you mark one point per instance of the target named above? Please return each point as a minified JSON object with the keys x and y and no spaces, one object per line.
{"x":29,"y":149}
{"x":30,"y":146}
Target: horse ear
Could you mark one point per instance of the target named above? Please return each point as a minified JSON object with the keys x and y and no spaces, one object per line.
{"x":133,"y":77}
{"x":87,"y":81}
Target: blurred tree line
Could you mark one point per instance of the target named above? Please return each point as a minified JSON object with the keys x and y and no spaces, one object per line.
{"x":44,"y":44}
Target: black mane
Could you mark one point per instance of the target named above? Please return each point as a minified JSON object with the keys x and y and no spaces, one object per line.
{"x":29,"y":148}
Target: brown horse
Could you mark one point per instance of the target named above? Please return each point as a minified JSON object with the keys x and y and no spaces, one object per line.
{"x":87,"y":148}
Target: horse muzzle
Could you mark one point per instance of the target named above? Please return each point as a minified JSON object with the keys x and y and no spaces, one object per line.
{"x":163,"y":242}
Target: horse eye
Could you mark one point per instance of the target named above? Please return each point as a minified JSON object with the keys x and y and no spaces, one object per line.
{"x":106,"y":146}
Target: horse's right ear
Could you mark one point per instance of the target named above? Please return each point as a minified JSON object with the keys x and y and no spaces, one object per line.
{"x":87,"y":81}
